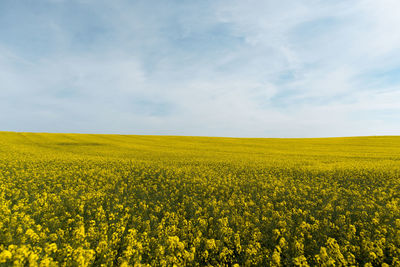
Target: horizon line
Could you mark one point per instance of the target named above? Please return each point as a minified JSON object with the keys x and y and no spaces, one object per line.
{"x":199,"y":136}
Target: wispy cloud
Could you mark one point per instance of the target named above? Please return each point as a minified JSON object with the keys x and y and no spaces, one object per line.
{"x":222,"y":68}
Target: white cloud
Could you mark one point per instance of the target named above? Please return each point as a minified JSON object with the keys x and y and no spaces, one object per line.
{"x":243,"y":68}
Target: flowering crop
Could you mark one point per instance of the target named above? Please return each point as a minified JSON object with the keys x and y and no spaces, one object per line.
{"x":117,"y":200}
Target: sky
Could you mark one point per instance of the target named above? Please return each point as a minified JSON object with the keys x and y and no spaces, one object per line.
{"x":237,"y":68}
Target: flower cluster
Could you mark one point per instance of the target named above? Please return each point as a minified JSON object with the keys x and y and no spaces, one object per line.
{"x":92,"y":200}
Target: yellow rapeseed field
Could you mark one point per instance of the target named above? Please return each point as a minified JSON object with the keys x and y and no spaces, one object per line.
{"x":120,"y":200}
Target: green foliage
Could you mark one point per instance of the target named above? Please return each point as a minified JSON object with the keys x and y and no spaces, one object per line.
{"x":110,"y":200}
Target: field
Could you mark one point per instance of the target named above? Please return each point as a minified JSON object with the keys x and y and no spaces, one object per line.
{"x":83,"y":200}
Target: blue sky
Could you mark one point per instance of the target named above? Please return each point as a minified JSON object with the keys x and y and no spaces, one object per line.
{"x":304,"y":68}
